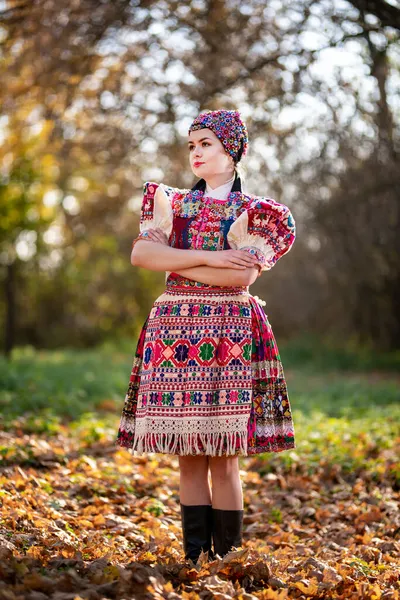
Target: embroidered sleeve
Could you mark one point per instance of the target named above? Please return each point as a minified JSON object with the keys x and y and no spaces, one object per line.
{"x":266,"y":229}
{"x":156,"y":210}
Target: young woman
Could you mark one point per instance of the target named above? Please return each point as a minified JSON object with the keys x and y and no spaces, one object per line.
{"x":207,"y":382}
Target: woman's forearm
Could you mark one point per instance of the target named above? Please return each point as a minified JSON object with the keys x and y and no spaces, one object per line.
{"x":159,"y":257}
{"x":220,"y":276}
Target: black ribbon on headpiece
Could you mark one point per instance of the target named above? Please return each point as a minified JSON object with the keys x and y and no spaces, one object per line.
{"x":240,"y":152}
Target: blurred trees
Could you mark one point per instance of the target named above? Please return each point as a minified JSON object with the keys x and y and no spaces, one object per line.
{"x":357,"y":225}
{"x":24,"y":215}
{"x":113,"y":88}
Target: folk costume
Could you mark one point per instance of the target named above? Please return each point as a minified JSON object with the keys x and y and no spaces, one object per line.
{"x":207,"y":377}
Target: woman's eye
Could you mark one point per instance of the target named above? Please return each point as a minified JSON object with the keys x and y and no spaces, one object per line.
{"x":192,"y":147}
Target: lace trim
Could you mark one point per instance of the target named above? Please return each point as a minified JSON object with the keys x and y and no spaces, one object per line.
{"x":271,"y":431}
{"x":266,"y":369}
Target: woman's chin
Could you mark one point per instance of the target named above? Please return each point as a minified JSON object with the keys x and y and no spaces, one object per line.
{"x":199,"y":172}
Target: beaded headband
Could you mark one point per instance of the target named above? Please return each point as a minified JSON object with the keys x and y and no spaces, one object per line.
{"x":228,"y":127}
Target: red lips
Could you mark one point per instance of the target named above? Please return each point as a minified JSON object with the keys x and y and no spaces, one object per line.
{"x":197,"y":164}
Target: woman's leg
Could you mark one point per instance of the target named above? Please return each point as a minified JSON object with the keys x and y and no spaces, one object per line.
{"x":196,"y":509}
{"x":227,"y":504}
{"x":226,"y":485}
{"x":194,"y":486}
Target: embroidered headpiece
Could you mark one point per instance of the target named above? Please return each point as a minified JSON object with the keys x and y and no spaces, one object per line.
{"x":228,"y":127}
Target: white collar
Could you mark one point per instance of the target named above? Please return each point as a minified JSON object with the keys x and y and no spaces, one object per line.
{"x":221,"y":192}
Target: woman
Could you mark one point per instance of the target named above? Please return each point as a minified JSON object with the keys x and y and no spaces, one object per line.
{"x":207,"y":382}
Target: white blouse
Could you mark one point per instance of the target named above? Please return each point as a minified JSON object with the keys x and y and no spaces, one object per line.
{"x":221,"y":192}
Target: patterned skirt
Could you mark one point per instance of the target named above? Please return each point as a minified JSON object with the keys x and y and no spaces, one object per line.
{"x":207,"y":377}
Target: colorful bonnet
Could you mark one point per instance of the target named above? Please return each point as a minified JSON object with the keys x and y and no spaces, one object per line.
{"x":228,"y":127}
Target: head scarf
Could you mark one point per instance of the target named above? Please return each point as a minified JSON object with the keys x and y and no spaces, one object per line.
{"x":228,"y":127}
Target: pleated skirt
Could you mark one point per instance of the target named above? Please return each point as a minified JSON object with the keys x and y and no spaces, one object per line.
{"x":207,"y":377}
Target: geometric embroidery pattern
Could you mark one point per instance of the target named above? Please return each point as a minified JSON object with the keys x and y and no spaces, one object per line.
{"x":207,"y":377}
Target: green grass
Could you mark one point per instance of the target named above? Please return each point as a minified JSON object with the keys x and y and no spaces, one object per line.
{"x":67,"y":383}
{"x":326,"y":355}
{"x":346,"y":405}
{"x":63,"y":383}
{"x":343,"y":394}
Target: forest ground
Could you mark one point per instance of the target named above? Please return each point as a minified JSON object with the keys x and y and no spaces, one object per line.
{"x":83,"y":518}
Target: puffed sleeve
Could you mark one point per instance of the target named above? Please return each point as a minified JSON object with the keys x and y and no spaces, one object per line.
{"x":266,"y":229}
{"x":156,"y":210}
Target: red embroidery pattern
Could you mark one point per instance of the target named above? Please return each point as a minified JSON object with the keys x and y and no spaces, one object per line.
{"x":207,"y":377}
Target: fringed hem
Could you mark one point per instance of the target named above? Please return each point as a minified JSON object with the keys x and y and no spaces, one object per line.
{"x":209,"y":444}
{"x":150,"y":443}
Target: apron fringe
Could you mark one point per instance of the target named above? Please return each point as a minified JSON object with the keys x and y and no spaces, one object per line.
{"x":214,"y":444}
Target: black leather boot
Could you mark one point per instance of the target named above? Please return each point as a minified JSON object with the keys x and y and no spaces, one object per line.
{"x":196,"y":530}
{"x":227,"y":529}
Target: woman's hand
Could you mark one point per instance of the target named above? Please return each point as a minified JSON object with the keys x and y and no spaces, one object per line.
{"x":232,"y":259}
{"x":156,"y":235}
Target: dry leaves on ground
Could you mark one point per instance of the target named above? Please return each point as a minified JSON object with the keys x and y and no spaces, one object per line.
{"x":89,"y":521}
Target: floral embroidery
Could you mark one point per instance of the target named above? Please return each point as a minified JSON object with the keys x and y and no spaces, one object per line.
{"x":207,"y":376}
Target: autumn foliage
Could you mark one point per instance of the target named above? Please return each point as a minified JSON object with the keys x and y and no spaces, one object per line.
{"x":81,"y":519}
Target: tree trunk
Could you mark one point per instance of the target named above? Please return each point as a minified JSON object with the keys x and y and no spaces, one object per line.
{"x":9,"y":337}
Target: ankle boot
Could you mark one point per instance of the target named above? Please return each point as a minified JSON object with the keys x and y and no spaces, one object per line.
{"x":196,"y":530}
{"x":227,"y":529}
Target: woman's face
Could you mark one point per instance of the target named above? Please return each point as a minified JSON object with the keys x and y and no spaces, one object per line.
{"x":207,"y":155}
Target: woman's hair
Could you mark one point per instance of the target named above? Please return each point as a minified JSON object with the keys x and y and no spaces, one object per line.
{"x":240,"y":169}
